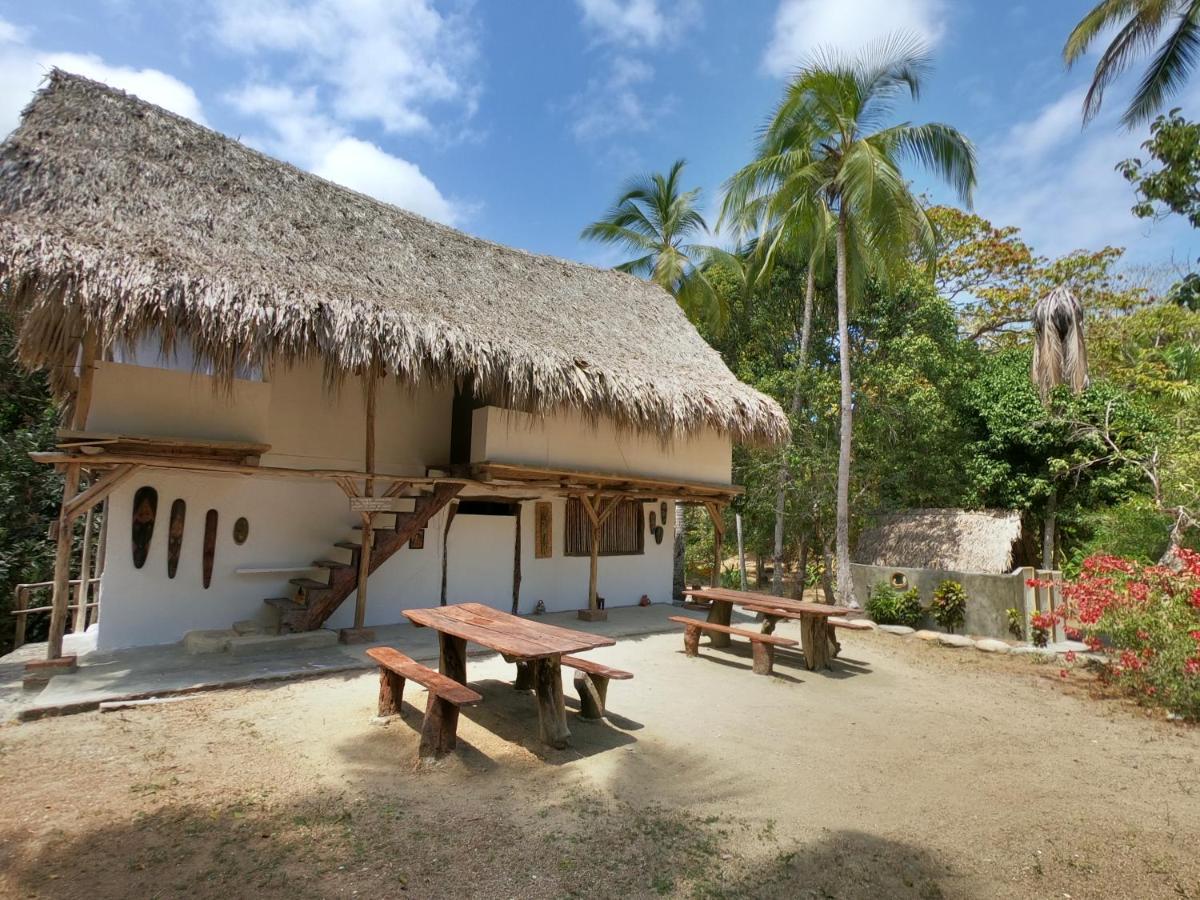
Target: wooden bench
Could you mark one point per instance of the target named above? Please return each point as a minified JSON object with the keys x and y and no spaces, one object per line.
{"x":438,"y":731}
{"x":852,"y":624}
{"x":761,"y":645}
{"x":591,"y":682}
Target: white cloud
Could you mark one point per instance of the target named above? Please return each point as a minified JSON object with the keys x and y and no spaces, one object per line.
{"x":1059,"y":183}
{"x":804,"y":26}
{"x":611,"y":104}
{"x":23,"y":66}
{"x":639,"y":23}
{"x":382,"y":60}
{"x":311,"y":140}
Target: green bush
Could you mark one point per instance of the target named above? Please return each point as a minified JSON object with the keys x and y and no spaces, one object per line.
{"x":888,"y":606}
{"x":949,"y":606}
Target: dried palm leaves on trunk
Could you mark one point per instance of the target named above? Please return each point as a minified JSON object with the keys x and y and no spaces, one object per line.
{"x":1059,"y":353}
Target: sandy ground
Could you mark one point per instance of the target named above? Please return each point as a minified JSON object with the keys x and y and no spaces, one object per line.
{"x":911,"y":771}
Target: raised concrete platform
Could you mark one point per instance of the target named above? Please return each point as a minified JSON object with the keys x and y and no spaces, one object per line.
{"x":171,"y":669}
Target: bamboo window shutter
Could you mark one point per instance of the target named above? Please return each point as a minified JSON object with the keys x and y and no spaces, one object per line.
{"x":622,"y":534}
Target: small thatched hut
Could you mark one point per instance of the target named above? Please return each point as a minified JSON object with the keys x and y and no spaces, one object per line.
{"x":958,"y":540}
{"x":980,"y":549}
{"x":238,"y":339}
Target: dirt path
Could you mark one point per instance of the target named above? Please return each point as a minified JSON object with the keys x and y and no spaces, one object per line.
{"x":912,"y":771}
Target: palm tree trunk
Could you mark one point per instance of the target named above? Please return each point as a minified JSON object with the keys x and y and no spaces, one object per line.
{"x":680,"y":528}
{"x":826,"y":569}
{"x":785,"y":473}
{"x":845,"y":588}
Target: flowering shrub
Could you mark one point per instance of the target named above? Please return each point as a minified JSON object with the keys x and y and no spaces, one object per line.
{"x":1148,"y":619}
{"x":949,"y":606}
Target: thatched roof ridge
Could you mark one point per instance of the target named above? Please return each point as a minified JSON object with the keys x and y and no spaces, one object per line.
{"x":956,"y":540}
{"x":117,"y":214}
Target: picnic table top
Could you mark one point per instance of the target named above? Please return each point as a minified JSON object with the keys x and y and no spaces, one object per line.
{"x":765,"y":602}
{"x":505,"y":633}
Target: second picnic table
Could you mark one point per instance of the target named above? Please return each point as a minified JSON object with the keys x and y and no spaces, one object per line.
{"x":536,"y":649}
{"x":816,"y":632}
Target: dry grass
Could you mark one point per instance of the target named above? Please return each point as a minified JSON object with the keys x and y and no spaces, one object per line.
{"x":954,"y":540}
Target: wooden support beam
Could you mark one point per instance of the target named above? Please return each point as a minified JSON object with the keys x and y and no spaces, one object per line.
{"x":368,"y":533}
{"x":718,"y":521}
{"x":99,"y":490}
{"x":516,"y":592}
{"x":62,"y":566}
{"x":85,"y":563}
{"x":89,"y":348}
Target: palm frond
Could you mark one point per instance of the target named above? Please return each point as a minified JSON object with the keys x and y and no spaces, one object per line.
{"x":1169,"y":69}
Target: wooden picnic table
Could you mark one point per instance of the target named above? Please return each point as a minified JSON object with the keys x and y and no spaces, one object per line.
{"x":536,"y":649}
{"x":816,"y":634}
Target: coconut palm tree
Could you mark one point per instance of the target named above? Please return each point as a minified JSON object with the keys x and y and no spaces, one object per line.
{"x":1141,"y":23}
{"x":658,"y":222}
{"x":827,"y":155}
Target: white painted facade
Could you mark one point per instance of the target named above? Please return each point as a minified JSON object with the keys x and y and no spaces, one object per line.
{"x":293,"y":522}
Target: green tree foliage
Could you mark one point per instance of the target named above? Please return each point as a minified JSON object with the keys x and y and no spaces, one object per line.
{"x":29,"y":492}
{"x":1168,"y":180}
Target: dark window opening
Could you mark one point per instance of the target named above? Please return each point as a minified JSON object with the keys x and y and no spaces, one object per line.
{"x":485,"y":508}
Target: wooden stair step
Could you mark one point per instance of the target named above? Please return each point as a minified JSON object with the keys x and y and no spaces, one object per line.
{"x":330,"y":564}
{"x":286,"y":604}
{"x":309,"y":584}
{"x":349,"y":545}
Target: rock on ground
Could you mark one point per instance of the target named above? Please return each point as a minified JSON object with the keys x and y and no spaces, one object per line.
{"x":991,"y":645}
{"x":896,"y":629}
{"x":955,"y":640}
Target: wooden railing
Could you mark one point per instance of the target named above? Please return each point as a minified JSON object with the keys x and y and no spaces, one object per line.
{"x":22,"y":610}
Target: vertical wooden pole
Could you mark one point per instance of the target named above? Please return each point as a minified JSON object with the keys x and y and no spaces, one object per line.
{"x":20,"y":602}
{"x":718,"y":521}
{"x":741,"y":551}
{"x":87,"y":370}
{"x":85,"y":571}
{"x":516,"y":597}
{"x":591,"y":505}
{"x":62,"y":567}
{"x":368,"y":534}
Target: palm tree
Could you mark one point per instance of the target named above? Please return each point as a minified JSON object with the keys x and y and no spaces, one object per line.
{"x":826,"y":156}
{"x":657,"y":221}
{"x":1141,"y":23}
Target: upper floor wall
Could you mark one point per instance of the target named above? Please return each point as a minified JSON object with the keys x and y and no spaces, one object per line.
{"x":309,"y":424}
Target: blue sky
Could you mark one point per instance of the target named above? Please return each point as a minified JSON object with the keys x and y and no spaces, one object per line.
{"x":519,"y":121}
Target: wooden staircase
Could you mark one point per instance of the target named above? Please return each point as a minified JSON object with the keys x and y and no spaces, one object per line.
{"x":315,"y":601}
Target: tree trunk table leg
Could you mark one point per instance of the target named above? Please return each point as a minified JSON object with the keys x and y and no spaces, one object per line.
{"x":524,"y":680}
{"x":391,"y":692}
{"x":439,"y":730}
{"x":764,"y":657}
{"x":769,"y":623}
{"x":835,"y":646}
{"x":453,"y":659}
{"x":691,"y":640}
{"x":552,"y":709}
{"x":720,"y":614}
{"x":593,"y":692}
{"x":815,"y":642}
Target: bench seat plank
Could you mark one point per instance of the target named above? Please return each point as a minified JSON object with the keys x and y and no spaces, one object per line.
{"x":435,"y":682}
{"x":594,"y":668}
{"x":740,"y":632}
{"x":852,"y":624}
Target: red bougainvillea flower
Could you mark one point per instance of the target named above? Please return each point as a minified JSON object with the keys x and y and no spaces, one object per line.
{"x":1196,"y":598}
{"x":1062,"y":673}
{"x":1070,"y":656}
{"x":1093,"y":642}
{"x":1192,"y":666}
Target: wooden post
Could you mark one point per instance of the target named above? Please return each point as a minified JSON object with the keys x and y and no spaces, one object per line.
{"x":87,"y":370}
{"x":101,"y":555}
{"x":85,"y":564}
{"x":516,"y":597}
{"x":62,"y":567}
{"x":718,"y":521}
{"x":20,"y":602}
{"x":368,"y":533}
{"x":598,"y":516}
{"x":741,"y":551}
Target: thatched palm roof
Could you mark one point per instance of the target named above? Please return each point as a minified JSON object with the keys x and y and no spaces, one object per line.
{"x":955,"y":540}
{"x":120,"y":215}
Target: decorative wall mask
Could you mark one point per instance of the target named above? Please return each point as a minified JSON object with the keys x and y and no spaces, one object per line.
{"x":658,"y":534}
{"x":417,"y":541}
{"x":543,"y":530}
{"x":241,"y":530}
{"x":210,"y":545}
{"x":145,"y":509}
{"x":662,"y":512}
{"x":653,"y":520}
{"x":175,"y":536}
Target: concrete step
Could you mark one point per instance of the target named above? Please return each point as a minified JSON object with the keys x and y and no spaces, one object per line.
{"x":211,"y":640}
{"x":253,"y":644}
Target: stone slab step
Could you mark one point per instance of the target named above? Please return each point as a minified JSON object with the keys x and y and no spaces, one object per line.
{"x":210,"y":640}
{"x":252,"y":644}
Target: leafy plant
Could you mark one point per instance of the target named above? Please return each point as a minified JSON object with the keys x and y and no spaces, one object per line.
{"x":949,"y":606}
{"x":1016,"y":623}
{"x":889,"y":606}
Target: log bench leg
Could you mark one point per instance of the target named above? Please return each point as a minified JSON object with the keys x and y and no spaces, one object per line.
{"x":439,"y":732}
{"x":691,"y":640}
{"x":764,"y":657}
{"x":552,"y":709}
{"x":524,"y":680}
{"x":835,"y":646}
{"x":593,"y":692}
{"x":720,"y":614}
{"x":815,"y":642}
{"x":769,"y":623}
{"x":391,"y":692}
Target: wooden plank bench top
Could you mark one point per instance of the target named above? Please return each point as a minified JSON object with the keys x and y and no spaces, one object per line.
{"x":435,"y":682}
{"x":852,"y":624}
{"x":595,"y":668}
{"x":740,"y":632}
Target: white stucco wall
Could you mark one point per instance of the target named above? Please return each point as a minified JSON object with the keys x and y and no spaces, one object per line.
{"x":569,"y":441}
{"x":293,"y":523}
